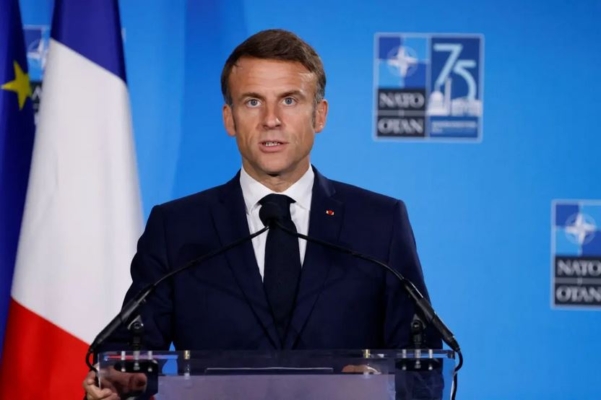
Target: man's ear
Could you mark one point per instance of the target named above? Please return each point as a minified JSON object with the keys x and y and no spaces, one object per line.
{"x":321,"y":115}
{"x":228,"y":120}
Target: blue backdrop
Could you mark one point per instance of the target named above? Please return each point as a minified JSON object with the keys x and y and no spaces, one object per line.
{"x":482,"y":210}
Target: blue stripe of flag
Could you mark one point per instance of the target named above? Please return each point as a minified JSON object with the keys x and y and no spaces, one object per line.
{"x":92,"y":28}
{"x":16,"y":143}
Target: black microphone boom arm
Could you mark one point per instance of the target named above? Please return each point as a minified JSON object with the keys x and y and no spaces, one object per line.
{"x":132,"y":305}
{"x":420,"y":301}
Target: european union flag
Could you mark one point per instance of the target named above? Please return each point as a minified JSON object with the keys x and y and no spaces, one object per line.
{"x":16,"y":144}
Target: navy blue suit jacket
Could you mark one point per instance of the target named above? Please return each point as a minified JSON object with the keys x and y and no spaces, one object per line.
{"x":342,"y":303}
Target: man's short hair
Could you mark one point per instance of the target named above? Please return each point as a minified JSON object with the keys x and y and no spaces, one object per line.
{"x":276,"y":44}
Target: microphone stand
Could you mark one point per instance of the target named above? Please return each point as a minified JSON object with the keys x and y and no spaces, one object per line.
{"x":132,"y":306}
{"x":417,"y":332}
{"x":420,"y":301}
{"x":424,"y":307}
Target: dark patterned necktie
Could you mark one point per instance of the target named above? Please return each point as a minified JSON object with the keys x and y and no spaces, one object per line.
{"x":282,"y":265}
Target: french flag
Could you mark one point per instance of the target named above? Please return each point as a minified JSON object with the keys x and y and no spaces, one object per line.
{"x":82,"y":214}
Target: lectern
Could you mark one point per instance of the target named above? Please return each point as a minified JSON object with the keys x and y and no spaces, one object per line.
{"x":260,"y":375}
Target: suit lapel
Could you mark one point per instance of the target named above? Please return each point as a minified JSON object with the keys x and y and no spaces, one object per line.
{"x":325,"y":222}
{"x":231,"y":224}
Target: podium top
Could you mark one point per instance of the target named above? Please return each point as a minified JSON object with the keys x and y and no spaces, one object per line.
{"x":294,"y":374}
{"x":362,"y":354}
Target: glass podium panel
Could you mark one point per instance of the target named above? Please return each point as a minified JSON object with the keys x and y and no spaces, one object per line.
{"x":299,"y":375}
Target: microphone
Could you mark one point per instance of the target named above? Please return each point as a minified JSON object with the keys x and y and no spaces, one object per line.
{"x":272,"y":217}
{"x":132,"y":305}
{"x":271,"y":214}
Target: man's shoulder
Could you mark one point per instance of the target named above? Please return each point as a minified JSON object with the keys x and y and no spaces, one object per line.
{"x":353,"y":194}
{"x":204,"y":198}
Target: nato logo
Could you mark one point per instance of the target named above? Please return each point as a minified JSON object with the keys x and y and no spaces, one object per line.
{"x":576,"y":254}
{"x":428,"y":86}
{"x":37,"y":40}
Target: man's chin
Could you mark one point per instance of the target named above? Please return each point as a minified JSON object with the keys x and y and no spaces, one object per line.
{"x":273,"y":170}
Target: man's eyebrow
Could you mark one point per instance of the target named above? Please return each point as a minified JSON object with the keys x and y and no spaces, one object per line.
{"x":252,"y":94}
{"x":293,"y":93}
{"x":255,"y":95}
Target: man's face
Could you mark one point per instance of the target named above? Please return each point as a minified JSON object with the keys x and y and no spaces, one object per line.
{"x":273,"y":117}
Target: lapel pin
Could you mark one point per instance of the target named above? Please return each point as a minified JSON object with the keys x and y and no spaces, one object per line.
{"x":329,"y":212}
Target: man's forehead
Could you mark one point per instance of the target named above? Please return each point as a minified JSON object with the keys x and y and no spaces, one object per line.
{"x":253,"y":75}
{"x":248,"y":65}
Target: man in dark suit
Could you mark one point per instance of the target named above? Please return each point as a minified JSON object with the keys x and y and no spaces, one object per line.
{"x":273,"y":85}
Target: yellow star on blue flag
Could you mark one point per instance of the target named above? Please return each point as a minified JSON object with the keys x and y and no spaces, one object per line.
{"x":19,"y":85}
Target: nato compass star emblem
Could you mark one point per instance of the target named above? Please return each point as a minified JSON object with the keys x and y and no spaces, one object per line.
{"x":580,"y":228}
{"x":403,"y":62}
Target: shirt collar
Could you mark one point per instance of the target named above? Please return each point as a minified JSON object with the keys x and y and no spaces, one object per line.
{"x":253,"y":191}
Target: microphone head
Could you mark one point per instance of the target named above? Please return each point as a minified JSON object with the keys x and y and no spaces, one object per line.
{"x":270,"y":213}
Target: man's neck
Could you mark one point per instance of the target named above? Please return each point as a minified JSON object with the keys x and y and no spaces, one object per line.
{"x":277,"y":183}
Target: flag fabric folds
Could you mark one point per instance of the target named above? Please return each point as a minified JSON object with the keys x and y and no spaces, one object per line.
{"x":82,"y":213}
{"x":16,"y":142}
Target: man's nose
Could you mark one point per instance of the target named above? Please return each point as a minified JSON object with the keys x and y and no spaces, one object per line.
{"x":271,"y":117}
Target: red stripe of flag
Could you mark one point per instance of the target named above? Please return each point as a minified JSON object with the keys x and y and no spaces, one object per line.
{"x":40,"y":360}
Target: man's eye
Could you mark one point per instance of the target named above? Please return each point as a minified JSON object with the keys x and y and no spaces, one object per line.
{"x":253,"y":102}
{"x":289,"y":101}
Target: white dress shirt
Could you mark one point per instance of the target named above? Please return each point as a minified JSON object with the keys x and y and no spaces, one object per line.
{"x":301,"y":192}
